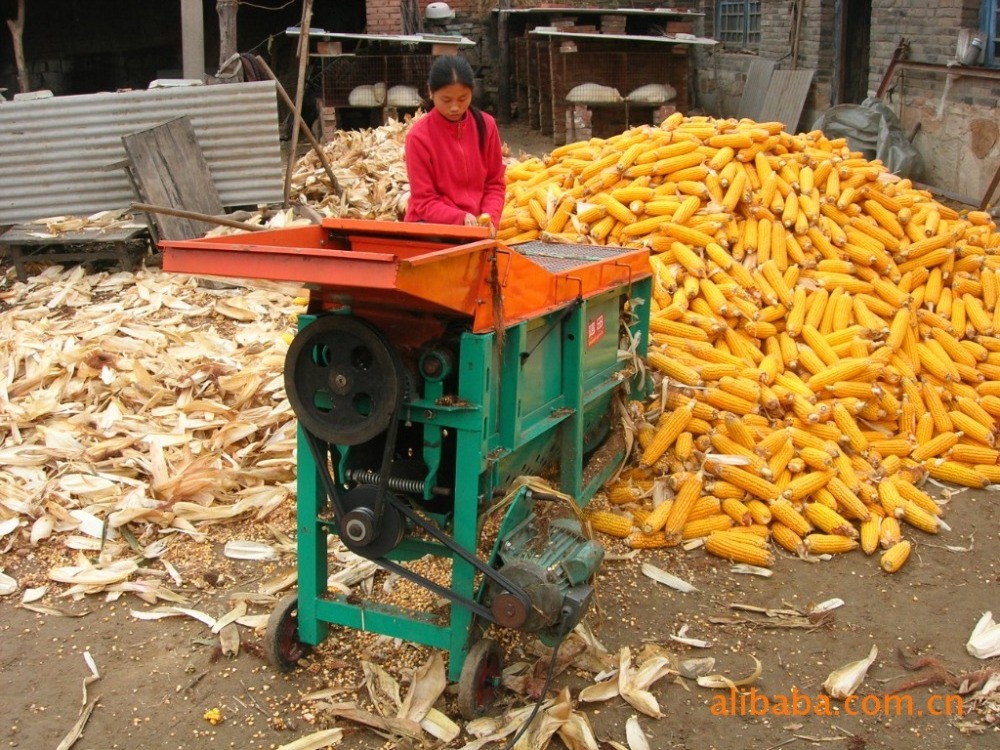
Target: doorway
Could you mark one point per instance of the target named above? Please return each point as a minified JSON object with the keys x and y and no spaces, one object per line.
{"x":852,"y":30}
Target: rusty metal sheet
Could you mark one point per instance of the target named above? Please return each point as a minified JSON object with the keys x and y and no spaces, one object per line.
{"x":755,"y":88}
{"x":786,"y":96}
{"x":60,"y":155}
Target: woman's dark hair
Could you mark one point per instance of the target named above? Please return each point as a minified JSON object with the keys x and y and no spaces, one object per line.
{"x":449,"y":69}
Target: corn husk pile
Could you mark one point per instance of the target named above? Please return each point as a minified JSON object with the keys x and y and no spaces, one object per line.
{"x":822,"y":335}
{"x":102,"y":221}
{"x":136,"y":410}
{"x":370,"y":171}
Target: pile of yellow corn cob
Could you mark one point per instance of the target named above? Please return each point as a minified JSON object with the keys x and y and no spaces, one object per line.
{"x":824,"y":330}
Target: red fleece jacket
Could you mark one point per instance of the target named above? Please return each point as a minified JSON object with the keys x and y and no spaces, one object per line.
{"x":449,"y":175}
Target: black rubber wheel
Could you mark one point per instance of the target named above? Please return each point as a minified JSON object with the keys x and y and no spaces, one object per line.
{"x":479,"y":683}
{"x":281,"y":639}
{"x":343,"y":379}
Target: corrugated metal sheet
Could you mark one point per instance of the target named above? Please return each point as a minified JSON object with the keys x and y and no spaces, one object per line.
{"x":55,"y":153}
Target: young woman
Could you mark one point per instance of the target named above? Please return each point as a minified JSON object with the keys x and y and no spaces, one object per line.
{"x":453,"y":153}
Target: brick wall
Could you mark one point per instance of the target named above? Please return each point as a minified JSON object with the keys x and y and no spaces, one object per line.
{"x":383,"y":17}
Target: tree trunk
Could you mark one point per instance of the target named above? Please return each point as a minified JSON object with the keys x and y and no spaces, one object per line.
{"x":307,"y":10}
{"x":17,"y":32}
{"x":228,"y":43}
{"x":411,"y":17}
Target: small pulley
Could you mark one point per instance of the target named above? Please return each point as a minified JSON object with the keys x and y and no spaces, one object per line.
{"x":344,"y":380}
{"x":367,"y":530}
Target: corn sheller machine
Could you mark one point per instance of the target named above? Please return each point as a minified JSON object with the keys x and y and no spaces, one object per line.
{"x":433,"y":368}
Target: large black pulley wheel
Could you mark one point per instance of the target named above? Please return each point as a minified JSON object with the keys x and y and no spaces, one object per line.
{"x":344,"y":380}
{"x":282,"y":646}
{"x":479,"y":682}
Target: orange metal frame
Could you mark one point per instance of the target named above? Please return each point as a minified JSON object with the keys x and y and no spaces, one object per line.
{"x":432,"y":268}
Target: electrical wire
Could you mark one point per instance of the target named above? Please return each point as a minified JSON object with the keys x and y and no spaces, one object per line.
{"x":563,"y":632}
{"x":265,"y":7}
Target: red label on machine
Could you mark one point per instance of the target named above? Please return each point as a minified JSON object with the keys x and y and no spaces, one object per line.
{"x":595,"y":330}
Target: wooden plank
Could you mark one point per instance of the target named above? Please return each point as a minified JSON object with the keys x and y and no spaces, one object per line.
{"x":786,"y":96}
{"x":169,"y":169}
{"x":755,"y":88}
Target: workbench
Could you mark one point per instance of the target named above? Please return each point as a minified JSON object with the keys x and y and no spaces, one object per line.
{"x":24,"y":242}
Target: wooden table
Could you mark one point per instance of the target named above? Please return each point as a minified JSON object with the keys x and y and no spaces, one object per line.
{"x":23,"y":242}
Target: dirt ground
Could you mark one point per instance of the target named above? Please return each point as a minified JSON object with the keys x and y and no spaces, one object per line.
{"x":159,"y":678}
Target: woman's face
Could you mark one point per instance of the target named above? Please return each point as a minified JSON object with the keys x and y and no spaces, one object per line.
{"x":452,"y":101}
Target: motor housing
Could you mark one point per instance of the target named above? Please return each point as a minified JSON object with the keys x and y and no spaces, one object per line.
{"x":553,"y":562}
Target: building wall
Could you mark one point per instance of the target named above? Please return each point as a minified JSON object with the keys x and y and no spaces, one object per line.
{"x":82,"y":48}
{"x":954,"y":117}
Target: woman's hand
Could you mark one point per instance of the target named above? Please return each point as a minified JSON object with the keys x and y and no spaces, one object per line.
{"x":483,"y":220}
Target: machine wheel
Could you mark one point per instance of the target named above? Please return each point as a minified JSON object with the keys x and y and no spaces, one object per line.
{"x":480,"y":679}
{"x":358,"y":530}
{"x":281,"y":639}
{"x":344,"y":380}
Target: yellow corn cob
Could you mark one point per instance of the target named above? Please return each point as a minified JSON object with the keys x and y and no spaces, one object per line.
{"x":615,"y":208}
{"x":889,"y":532}
{"x":702,"y":527}
{"x":684,"y":446}
{"x":687,"y":495}
{"x":665,"y":166}
{"x":974,"y":453}
{"x":829,"y":521}
{"x":919,"y":518}
{"x":707,"y":505}
{"x":738,"y":511}
{"x":972,"y":428}
{"x":894,"y":557}
{"x":744,"y":388}
{"x":870,"y":535}
{"x":760,"y":514}
{"x":732,"y":547}
{"x":828,"y":544}
{"x":847,"y":499}
{"x":898,"y":446}
{"x":724,"y":401}
{"x":670,"y":428}
{"x":784,"y":512}
{"x":936,"y":446}
{"x":956,"y":473}
{"x":786,"y":538}
{"x":747,"y":481}
{"x":674,"y":369}
{"x":677,"y":400}
{"x":913,"y":494}
{"x":804,"y":485}
{"x":609,"y":523}
{"x":622,"y":493}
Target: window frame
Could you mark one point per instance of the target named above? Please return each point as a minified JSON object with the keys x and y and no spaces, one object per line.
{"x":747,"y":15}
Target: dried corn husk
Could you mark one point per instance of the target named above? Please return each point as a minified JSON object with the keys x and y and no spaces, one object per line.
{"x":984,"y":642}
{"x":845,"y":681}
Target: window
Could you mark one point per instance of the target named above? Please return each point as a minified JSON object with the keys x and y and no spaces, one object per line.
{"x":738,"y":22}
{"x":990,"y":25}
